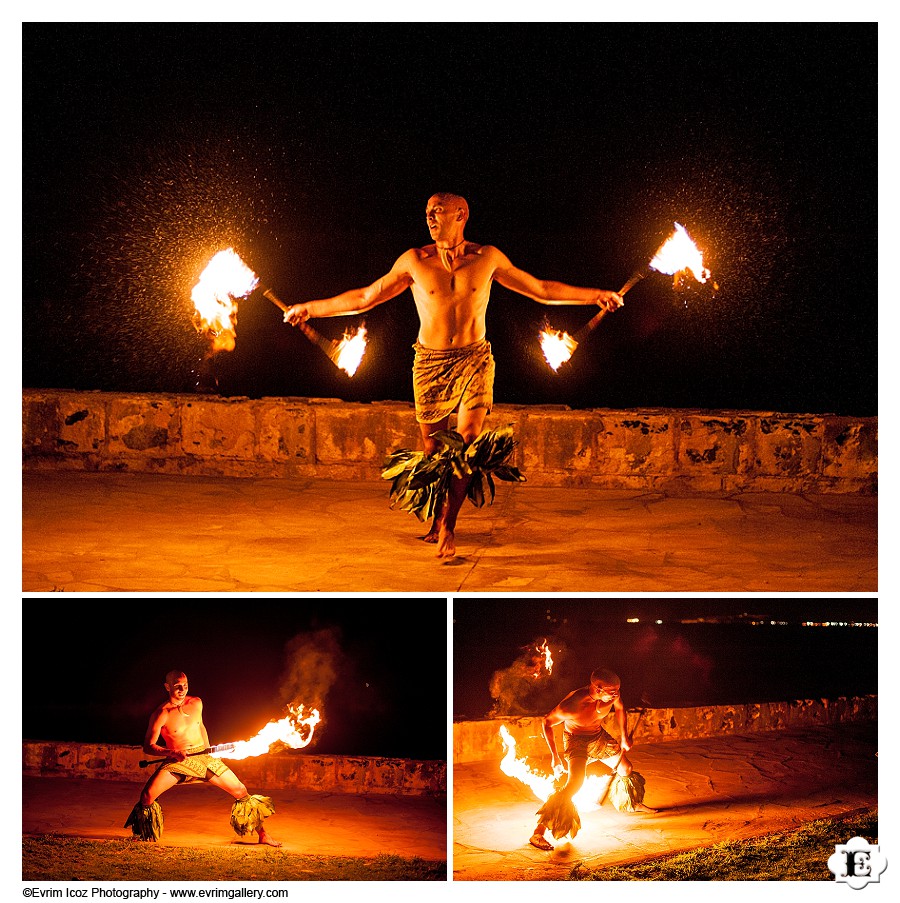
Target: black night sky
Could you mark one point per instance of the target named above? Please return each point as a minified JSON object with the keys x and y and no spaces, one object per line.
{"x":663,"y":664}
{"x":94,"y":669}
{"x":312,"y":149}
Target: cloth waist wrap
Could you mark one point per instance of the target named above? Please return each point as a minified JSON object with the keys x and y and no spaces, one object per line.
{"x":445,"y":378}
{"x":596,"y":745}
{"x":195,"y":767}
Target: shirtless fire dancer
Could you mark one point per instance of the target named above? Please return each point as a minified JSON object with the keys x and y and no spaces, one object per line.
{"x":453,"y":369}
{"x":584,"y":739}
{"x":178,"y":722}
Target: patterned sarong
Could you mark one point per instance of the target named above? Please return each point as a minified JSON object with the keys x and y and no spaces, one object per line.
{"x":598,"y":745}
{"x":445,"y":379}
{"x":194,"y":767}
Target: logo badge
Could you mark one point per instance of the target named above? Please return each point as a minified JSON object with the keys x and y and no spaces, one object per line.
{"x":857,"y":863}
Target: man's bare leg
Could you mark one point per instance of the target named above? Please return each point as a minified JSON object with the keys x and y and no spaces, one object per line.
{"x":574,"y":781}
{"x":430,"y":446}
{"x":468,"y":424}
{"x":230,"y":783}
{"x":157,"y":785}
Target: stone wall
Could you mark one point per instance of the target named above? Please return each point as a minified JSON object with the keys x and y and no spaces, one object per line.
{"x":667,"y":450}
{"x":475,"y":741}
{"x":297,"y":771}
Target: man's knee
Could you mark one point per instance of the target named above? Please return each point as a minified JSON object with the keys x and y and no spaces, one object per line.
{"x":240,"y":791}
{"x":147,"y":798}
{"x":624,"y":768}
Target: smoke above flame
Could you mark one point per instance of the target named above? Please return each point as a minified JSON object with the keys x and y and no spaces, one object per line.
{"x":516,"y":689}
{"x":313,"y":662}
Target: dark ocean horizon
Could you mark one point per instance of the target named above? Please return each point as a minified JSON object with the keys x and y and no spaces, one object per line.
{"x":672,"y":665}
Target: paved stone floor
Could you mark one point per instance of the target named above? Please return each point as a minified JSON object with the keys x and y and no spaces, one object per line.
{"x":706,"y":791}
{"x":141,"y":533}
{"x":324,"y":824}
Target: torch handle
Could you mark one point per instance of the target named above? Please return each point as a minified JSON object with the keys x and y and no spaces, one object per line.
{"x":592,"y":324}
{"x":312,"y":334}
{"x":613,"y":768}
{"x":635,"y":279}
{"x":222,"y":747}
{"x":329,"y":346}
{"x":268,"y":293}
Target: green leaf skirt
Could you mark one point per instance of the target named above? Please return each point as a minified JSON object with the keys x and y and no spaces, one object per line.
{"x":420,"y":483}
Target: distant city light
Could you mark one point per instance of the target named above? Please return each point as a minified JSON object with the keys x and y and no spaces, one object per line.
{"x":839,"y":624}
{"x":758,"y":620}
{"x":633,"y":620}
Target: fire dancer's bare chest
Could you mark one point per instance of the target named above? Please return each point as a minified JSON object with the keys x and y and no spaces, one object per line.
{"x":181,"y":722}
{"x":589,"y":715}
{"x":467,"y":282}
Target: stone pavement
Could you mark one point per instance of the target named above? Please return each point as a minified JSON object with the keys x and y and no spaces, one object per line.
{"x":706,"y":791}
{"x":140,"y":533}
{"x":322,"y":824}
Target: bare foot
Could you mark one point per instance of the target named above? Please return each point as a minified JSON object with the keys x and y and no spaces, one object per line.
{"x":266,"y":838}
{"x":640,"y":807}
{"x":433,"y":531}
{"x":541,"y":842}
{"x":446,"y":543}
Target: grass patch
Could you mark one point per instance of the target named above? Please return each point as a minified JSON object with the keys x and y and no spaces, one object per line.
{"x":56,"y":857}
{"x":798,"y":855}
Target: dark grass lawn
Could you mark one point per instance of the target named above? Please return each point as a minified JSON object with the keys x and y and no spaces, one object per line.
{"x":55,"y":857}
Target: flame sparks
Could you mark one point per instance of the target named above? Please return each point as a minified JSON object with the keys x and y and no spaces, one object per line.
{"x":678,"y":254}
{"x":557,"y":346}
{"x":542,"y":785}
{"x":294,"y":730}
{"x":350,"y":351}
{"x":225,"y":279}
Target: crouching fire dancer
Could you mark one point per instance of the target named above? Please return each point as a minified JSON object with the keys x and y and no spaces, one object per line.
{"x":178,"y":722}
{"x":584,"y":740}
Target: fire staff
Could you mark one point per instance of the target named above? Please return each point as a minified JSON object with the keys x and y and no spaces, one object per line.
{"x":178,"y":722}
{"x":453,"y":369}
{"x":581,"y":713}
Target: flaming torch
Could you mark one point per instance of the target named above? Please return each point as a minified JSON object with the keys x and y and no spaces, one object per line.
{"x":225,"y":279}
{"x":545,"y":661}
{"x":676,"y":256}
{"x":346,"y":354}
{"x":542,"y":784}
{"x":294,"y":730}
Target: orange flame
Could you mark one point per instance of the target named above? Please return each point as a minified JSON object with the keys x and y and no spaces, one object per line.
{"x":542,"y":785}
{"x":557,"y":346}
{"x":225,"y":279}
{"x":350,"y":351}
{"x":294,"y":730}
{"x":544,"y":651}
{"x":679,"y":253}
